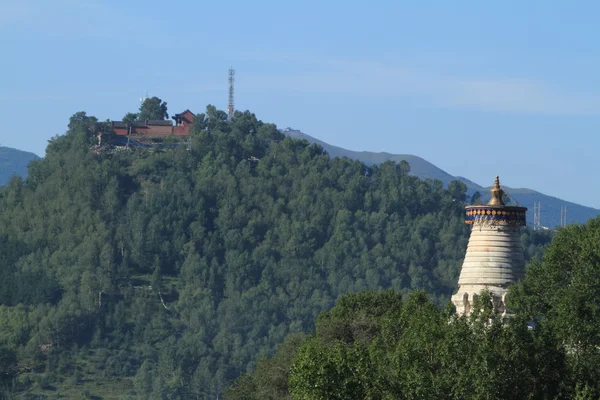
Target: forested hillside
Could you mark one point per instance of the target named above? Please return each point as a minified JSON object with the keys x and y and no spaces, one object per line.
{"x":167,"y":273}
{"x":419,"y":166}
{"x":551,"y":206}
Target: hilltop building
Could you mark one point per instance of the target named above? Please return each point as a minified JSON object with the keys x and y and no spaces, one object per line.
{"x":156,"y":129}
{"x":494,"y":259}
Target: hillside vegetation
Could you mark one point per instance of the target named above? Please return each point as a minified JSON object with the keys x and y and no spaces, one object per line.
{"x":551,"y":206}
{"x":165,"y":274}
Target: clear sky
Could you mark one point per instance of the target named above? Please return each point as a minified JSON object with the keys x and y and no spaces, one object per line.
{"x":477,"y":88}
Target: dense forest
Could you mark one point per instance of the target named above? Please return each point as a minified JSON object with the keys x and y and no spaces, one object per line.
{"x":167,"y":273}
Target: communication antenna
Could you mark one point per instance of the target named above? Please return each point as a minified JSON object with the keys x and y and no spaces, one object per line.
{"x":537,"y":207}
{"x":231,"y":105}
{"x":563,"y":216}
{"x":144,"y":98}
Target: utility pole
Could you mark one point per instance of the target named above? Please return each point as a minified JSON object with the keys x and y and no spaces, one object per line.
{"x":231,"y":104}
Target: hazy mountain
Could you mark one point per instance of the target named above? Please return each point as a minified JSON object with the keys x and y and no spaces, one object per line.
{"x":14,"y":162}
{"x":550,"y":206}
{"x":418,"y":166}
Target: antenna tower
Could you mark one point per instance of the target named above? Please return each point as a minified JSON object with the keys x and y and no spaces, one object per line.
{"x":563,"y":216}
{"x":230,"y":106}
{"x":537,"y":207}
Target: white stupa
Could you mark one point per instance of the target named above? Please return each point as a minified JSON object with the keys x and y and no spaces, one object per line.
{"x":494,"y":258}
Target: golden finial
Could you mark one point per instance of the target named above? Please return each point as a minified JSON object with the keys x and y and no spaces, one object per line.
{"x":496,"y":194}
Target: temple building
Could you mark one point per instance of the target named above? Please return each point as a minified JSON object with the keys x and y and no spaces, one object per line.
{"x":135,"y":132}
{"x":159,"y":128}
{"x":494,"y":259}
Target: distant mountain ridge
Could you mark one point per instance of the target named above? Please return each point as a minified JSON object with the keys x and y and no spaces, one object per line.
{"x":550,"y":206}
{"x":14,"y":162}
{"x":418,"y":166}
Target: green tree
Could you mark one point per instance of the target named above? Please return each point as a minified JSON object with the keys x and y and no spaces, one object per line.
{"x":420,"y":352}
{"x":152,"y":108}
{"x":130,"y":118}
{"x":475,"y":198}
{"x":270,"y":380}
{"x":81,"y":119}
{"x":143,"y":380}
{"x":457,"y":191}
{"x":561,"y":293}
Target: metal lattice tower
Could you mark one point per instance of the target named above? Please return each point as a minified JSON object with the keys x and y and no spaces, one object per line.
{"x":563,"y":216}
{"x":231,"y":105}
{"x":537,"y":207}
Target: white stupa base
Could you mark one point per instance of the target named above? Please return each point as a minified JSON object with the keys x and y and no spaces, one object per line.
{"x":493,"y":261}
{"x":464,"y":299}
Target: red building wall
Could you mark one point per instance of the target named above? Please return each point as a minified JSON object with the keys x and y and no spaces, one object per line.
{"x":159,"y":130}
{"x":181,"y":130}
{"x":121,"y":131}
{"x":143,"y":128}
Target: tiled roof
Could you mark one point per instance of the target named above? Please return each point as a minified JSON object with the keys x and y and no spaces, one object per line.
{"x":141,"y":124}
{"x":181,"y":113}
{"x":159,"y":122}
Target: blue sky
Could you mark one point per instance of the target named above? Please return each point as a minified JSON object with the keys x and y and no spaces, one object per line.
{"x":476,"y":88}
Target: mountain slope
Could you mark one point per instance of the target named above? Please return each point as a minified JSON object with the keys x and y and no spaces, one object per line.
{"x":176,"y":270}
{"x":166,"y":274}
{"x":550,"y":206}
{"x":14,"y":162}
{"x":418,"y":166}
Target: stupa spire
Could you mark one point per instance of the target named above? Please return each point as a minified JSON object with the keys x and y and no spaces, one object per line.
{"x":496,"y":193}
